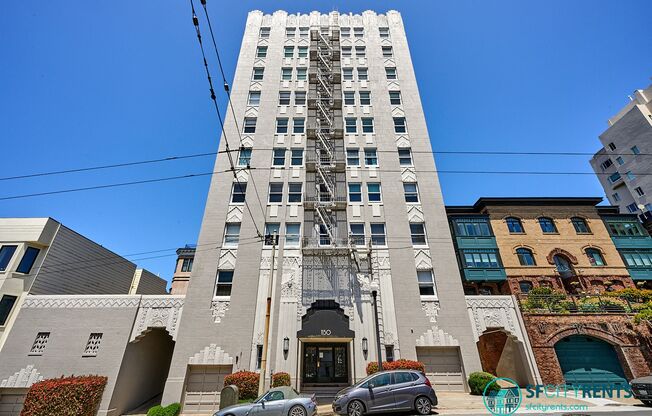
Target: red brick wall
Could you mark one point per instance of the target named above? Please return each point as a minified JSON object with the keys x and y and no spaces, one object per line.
{"x":490,"y":347}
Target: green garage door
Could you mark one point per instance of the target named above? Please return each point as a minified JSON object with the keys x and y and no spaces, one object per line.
{"x":589,"y":361}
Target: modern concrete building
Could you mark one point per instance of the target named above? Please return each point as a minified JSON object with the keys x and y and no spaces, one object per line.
{"x":330,"y":121}
{"x":623,"y":164}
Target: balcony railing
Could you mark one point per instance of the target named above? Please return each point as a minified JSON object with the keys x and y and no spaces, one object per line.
{"x":325,"y":241}
{"x":559,"y":303}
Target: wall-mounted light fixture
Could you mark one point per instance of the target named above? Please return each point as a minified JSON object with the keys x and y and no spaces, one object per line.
{"x":365,"y":345}
{"x":286,"y":345}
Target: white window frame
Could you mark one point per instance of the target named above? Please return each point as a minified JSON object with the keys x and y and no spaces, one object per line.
{"x":231,"y":237}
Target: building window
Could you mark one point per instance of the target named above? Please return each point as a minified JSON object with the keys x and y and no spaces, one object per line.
{"x":365,"y":99}
{"x":625,"y":229}
{"x":261,"y":52}
{"x":514,"y":225}
{"x":525,"y":257}
{"x":638,"y":259}
{"x":286,"y":74}
{"x":357,"y":234}
{"x":258,"y":74}
{"x":271,"y":229}
{"x":302,"y":74}
{"x":615,"y":196}
{"x":611,"y":146}
{"x":238,"y":192}
{"x":405,"y":156}
{"x":231,"y":234}
{"x":244,"y":157}
{"x":294,"y":192}
{"x":547,"y":225}
{"x":580,"y":225}
{"x":41,"y":341}
{"x":346,"y":52}
{"x":296,"y":158}
{"x":93,"y":344}
{"x":525,"y":287}
{"x":614,"y":177}
{"x":389,"y":353}
{"x":264,"y":32}
{"x":288,"y":51}
{"x":418,"y":233}
{"x":390,"y":73}
{"x":300,"y":98}
{"x":351,"y":125}
{"x":426,"y":283}
{"x":224,"y":283}
{"x":349,"y":98}
{"x":370,"y":157}
{"x":632,"y":207}
{"x":480,"y":259}
{"x":595,"y":257}
{"x":355,"y":192}
{"x":635,"y":150}
{"x":186,"y":265}
{"x":367,"y":122}
{"x":26,"y":263}
{"x":363,"y":74}
{"x":639,"y":191}
{"x":630,"y":175}
{"x":604,"y":165}
{"x":249,"y":125}
{"x":387,"y":52}
{"x":358,"y":32}
{"x":378,"y":234}
{"x":254,"y":98}
{"x":620,"y":160}
{"x":324,"y":236}
{"x":384,"y":32}
{"x":411,"y":192}
{"x":6,"y":305}
{"x":283,"y":98}
{"x":347,"y":74}
{"x":360,"y":51}
{"x":395,"y":97}
{"x":298,"y":125}
{"x":6,"y":253}
{"x":290,"y":32}
{"x":399,"y":125}
{"x":352,"y":157}
{"x":281,"y":126}
{"x":278,"y":157}
{"x":345,"y":32}
{"x":292,"y":234}
{"x":303,"y":32}
{"x":373,"y":192}
{"x":471,"y":227}
{"x":275,"y":193}
{"x":259,"y":356}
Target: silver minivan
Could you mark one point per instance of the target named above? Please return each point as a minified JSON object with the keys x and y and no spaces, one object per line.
{"x":387,"y":391}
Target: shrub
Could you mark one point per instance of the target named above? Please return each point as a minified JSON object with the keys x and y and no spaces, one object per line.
{"x":65,"y":396}
{"x":478,"y":382}
{"x":280,"y":379}
{"x":396,"y":365}
{"x":171,"y":410}
{"x":543,"y":298}
{"x":632,"y":294}
{"x":643,"y":315}
{"x":246,"y":381}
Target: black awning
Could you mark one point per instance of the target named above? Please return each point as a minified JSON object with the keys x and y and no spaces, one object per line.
{"x":325,"y":319}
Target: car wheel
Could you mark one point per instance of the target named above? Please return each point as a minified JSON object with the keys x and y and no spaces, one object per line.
{"x":422,"y":405}
{"x":355,"y":408}
{"x":647,"y":402}
{"x":297,"y":410}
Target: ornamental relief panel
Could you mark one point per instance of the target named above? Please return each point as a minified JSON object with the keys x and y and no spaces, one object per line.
{"x":218,"y":309}
{"x":423,"y":259}
{"x":415,"y":213}
{"x":227,"y":259}
{"x":492,"y":312}
{"x":158,"y":312}
{"x":431,"y":308}
{"x":25,"y":377}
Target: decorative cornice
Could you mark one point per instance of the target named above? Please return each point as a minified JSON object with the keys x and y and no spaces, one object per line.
{"x":211,"y":355}
{"x":82,"y":301}
{"x":22,"y":378}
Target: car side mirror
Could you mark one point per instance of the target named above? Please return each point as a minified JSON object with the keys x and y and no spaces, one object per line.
{"x":262,"y":403}
{"x":371,"y":386}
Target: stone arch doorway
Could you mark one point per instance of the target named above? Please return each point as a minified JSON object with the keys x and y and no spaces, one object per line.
{"x":589,"y":361}
{"x":503,"y":355}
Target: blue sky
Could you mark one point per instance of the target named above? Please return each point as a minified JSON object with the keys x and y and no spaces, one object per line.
{"x":85,"y":83}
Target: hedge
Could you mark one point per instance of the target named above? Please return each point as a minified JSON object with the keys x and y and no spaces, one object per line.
{"x":280,"y":379}
{"x":247,"y":383}
{"x":171,"y":410}
{"x":478,"y":382}
{"x":396,"y":365}
{"x":65,"y":396}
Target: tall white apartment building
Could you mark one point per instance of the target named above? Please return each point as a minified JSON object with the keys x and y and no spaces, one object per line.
{"x":335,"y":160}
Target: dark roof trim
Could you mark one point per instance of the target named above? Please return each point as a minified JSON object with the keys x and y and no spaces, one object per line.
{"x":482,"y":203}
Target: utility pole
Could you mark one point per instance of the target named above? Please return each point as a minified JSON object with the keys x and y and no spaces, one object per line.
{"x":268,"y":313}
{"x":374,"y":294}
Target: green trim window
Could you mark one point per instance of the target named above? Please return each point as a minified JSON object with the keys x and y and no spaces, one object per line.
{"x":472,"y":227}
{"x":626,"y":229}
{"x":480,"y":259}
{"x":638,"y":259}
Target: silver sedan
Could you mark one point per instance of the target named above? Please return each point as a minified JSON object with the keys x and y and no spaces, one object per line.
{"x":278,"y":401}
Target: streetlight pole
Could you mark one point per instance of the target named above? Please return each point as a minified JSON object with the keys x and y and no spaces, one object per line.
{"x":268,"y":313}
{"x":374,"y":295}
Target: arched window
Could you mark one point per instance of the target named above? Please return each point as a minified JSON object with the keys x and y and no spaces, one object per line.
{"x":563,"y":266}
{"x":514,"y":225}
{"x":595,"y":257}
{"x":525,"y":286}
{"x":525,"y":257}
{"x":581,"y":227}
{"x":484,"y":290}
{"x":547,"y":225}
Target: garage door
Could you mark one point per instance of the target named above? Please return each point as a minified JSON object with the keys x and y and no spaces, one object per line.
{"x":589,"y":361}
{"x":11,"y":402}
{"x":203,"y":386}
{"x":443,"y":367}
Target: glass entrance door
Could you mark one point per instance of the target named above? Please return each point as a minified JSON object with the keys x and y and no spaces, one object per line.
{"x":325,"y":363}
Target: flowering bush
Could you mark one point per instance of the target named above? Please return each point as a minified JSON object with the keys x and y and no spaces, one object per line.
{"x":246,"y":381}
{"x":280,"y":379}
{"x":396,"y":365}
{"x":65,"y":396}
{"x":171,"y":410}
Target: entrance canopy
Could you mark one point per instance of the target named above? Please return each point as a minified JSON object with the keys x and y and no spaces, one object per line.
{"x":325,"y":319}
